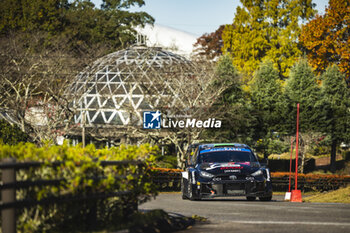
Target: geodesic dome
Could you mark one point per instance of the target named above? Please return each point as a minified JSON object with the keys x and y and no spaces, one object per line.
{"x":113,"y":90}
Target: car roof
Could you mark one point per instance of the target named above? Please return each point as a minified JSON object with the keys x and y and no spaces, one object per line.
{"x":213,"y":145}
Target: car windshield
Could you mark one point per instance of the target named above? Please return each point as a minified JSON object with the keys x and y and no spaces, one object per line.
{"x":223,"y":156}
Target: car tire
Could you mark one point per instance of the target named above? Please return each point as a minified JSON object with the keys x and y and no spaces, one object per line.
{"x":183,"y":190}
{"x":190,"y":193}
{"x":250,"y":198}
{"x":269,"y":198}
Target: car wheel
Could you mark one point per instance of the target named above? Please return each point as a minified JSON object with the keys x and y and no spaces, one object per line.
{"x":183,"y":189}
{"x":190,"y":191}
{"x":265,"y":198}
{"x":249,"y":198}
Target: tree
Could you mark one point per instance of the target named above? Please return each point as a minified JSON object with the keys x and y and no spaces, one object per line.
{"x":266,"y":97}
{"x":229,"y":76}
{"x":232,"y":102}
{"x":80,"y":23}
{"x":302,"y":88}
{"x":266,"y":29}
{"x":33,"y":85}
{"x":335,"y":105}
{"x":29,"y":15}
{"x":210,"y":45}
{"x":327,"y":38}
{"x":112,"y":25}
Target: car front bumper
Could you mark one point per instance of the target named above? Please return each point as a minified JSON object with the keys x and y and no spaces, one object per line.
{"x":254,"y":188}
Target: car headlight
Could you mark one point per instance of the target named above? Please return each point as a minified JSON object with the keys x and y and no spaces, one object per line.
{"x":257,"y":173}
{"x":206,"y":174}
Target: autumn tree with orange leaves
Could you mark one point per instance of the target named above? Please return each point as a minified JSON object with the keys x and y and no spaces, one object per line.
{"x":327,"y":38}
{"x":210,"y":45}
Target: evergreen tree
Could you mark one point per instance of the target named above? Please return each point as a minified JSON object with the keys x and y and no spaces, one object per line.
{"x":228,"y":74}
{"x":266,"y":96}
{"x":266,"y":29}
{"x":335,"y":105}
{"x":301,"y":87}
{"x":236,"y":118}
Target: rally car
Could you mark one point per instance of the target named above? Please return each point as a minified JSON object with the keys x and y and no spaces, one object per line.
{"x":220,"y":170}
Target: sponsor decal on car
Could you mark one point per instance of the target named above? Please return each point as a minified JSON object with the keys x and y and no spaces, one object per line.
{"x":224,"y":166}
{"x":225,"y":149}
{"x":226,"y":171}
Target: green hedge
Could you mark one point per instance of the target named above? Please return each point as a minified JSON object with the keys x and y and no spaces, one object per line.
{"x":77,"y":168}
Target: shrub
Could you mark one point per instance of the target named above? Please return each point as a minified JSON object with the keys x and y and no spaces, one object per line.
{"x":78,"y":169}
{"x":11,"y":134}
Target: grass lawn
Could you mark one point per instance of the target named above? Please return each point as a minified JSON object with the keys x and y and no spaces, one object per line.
{"x":341,"y":195}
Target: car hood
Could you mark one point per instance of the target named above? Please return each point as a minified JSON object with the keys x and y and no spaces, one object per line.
{"x":232,"y":167}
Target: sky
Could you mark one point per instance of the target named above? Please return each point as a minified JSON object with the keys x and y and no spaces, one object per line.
{"x":196,"y":16}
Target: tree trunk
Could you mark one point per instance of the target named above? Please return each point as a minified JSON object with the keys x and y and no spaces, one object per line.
{"x":302,"y":163}
{"x":333,"y":156}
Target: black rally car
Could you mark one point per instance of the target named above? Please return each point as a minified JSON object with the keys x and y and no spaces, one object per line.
{"x":218,"y":170}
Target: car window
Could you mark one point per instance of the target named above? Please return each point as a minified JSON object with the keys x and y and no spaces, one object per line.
{"x":222,"y":156}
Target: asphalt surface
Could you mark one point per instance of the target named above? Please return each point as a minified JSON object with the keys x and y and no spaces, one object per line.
{"x":238,"y":215}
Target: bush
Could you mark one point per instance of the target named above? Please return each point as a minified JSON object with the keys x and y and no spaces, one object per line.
{"x":11,"y":134}
{"x":167,"y":161}
{"x":78,"y":170}
{"x":272,"y":144}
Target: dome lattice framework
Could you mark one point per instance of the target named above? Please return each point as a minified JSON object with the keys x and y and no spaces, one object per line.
{"x":118,"y":87}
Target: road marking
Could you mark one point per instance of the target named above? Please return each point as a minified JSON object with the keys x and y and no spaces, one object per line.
{"x":295,"y":223}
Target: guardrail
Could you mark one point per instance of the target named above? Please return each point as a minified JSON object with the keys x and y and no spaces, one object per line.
{"x":170,"y":180}
{"x":310,"y":182}
{"x":9,"y":186}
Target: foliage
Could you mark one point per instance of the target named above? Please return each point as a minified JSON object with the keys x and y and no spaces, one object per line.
{"x":266,"y":95}
{"x":210,"y":45}
{"x":235,"y":115}
{"x":167,"y":179}
{"x":77,"y":170}
{"x":79,"y":21}
{"x":230,"y":78}
{"x":327,"y":40}
{"x":272,"y":144}
{"x":335,"y":105}
{"x":266,"y":29}
{"x":33,"y":84}
{"x":301,"y":87}
{"x":167,"y":161}
{"x":11,"y":134}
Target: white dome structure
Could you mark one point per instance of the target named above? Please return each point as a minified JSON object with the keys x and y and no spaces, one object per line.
{"x":112,"y":91}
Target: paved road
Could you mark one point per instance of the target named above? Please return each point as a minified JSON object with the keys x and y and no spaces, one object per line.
{"x":239,"y":215}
